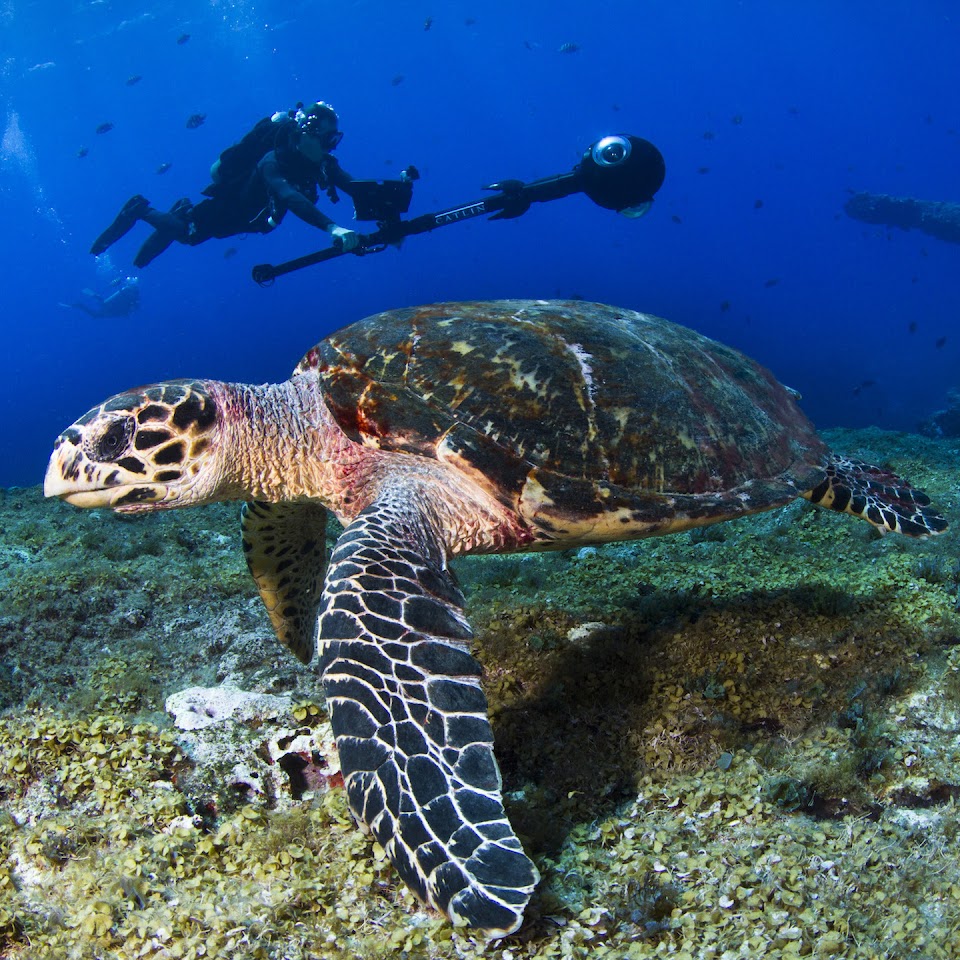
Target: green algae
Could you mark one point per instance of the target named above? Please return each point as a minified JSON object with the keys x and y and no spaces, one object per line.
{"x":819,"y":660}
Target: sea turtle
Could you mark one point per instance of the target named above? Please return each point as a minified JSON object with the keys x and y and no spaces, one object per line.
{"x":452,"y":429}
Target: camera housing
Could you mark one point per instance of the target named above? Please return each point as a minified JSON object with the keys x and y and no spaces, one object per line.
{"x":381,"y":200}
{"x":622,"y":172}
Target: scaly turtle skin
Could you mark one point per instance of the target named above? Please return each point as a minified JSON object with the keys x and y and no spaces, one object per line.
{"x":452,"y":429}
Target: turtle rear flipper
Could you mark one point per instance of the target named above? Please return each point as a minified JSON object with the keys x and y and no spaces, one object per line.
{"x":410,"y":718}
{"x":877,"y":495}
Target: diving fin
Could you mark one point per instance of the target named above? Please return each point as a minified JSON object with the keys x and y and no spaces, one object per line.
{"x":129,"y":214}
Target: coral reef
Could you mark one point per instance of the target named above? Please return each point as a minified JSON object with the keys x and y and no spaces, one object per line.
{"x":733,"y":741}
{"x":946,"y":422}
{"x":938,"y":218}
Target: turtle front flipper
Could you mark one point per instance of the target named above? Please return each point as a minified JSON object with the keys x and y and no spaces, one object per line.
{"x":878,"y":496}
{"x":410,"y":719}
{"x":285,"y":547}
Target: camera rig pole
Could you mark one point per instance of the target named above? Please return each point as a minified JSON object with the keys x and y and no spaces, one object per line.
{"x":618,"y":172}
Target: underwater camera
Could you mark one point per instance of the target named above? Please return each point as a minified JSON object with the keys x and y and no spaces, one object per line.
{"x":622,"y":173}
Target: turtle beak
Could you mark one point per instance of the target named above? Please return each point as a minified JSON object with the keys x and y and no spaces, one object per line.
{"x":75,"y":492}
{"x":66,"y":476}
{"x":73,"y":477}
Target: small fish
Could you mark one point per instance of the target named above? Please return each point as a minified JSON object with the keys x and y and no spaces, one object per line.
{"x":724,"y":305}
{"x":569,"y":47}
{"x":195,"y":120}
{"x":793,"y":111}
{"x":912,"y":328}
{"x":615,"y":107}
{"x":134,"y":80}
{"x":914,"y":279}
{"x":105,"y":127}
{"x":229,"y":252}
{"x":709,"y":135}
{"x":164,"y":167}
{"x":469,"y":21}
{"x":863,"y":385}
{"x":397,"y":80}
{"x":757,"y":204}
{"x":772,"y":282}
{"x":703,"y":169}
{"x":737,"y":119}
{"x":82,"y":152}
{"x":183,"y":38}
{"x":41,"y":66}
{"x":428,"y":23}
{"x":676,"y":219}
{"x":941,"y":342}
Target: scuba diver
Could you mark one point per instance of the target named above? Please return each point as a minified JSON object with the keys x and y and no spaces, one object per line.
{"x":121,"y":303}
{"x":280,"y":165}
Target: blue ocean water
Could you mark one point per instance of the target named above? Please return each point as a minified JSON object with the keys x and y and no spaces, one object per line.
{"x":768,"y":115}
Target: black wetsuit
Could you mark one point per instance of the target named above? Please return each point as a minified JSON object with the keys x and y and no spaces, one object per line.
{"x":283,"y":180}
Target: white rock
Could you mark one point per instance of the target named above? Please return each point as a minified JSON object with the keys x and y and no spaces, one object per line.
{"x":199,"y":707}
{"x":585,"y":631}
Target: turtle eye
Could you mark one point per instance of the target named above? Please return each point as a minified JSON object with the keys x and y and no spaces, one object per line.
{"x":112,"y":440}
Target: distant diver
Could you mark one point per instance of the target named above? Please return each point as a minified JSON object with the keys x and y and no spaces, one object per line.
{"x":281,"y":165}
{"x":939,"y":218}
{"x":121,"y":303}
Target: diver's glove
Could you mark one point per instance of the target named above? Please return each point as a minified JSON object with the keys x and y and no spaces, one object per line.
{"x":346,"y":239}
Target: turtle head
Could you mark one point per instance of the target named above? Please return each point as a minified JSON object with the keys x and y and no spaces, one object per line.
{"x":147,"y":449}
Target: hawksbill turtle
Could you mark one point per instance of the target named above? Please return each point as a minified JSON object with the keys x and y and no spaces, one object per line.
{"x":444,"y":430}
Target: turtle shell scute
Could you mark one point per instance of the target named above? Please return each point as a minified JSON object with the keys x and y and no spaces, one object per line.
{"x":585,"y":394}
